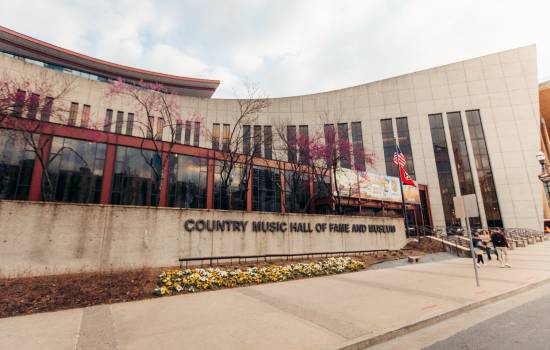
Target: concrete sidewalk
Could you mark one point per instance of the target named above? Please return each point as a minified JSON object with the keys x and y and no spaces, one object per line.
{"x":335,"y":312}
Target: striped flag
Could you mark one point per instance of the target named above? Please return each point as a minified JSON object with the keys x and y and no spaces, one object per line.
{"x":399,"y":160}
{"x":398,"y":157}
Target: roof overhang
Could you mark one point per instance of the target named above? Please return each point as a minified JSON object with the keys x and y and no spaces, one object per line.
{"x":23,"y":45}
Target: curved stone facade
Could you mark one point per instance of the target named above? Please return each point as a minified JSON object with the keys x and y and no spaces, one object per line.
{"x":500,"y":88}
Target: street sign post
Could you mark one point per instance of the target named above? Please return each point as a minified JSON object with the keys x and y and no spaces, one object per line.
{"x":465,"y":208}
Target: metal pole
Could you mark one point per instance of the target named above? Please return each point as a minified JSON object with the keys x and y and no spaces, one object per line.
{"x":467,"y":219}
{"x":402,"y":193}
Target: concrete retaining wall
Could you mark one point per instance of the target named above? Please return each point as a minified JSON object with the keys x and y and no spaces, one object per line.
{"x":52,"y":238}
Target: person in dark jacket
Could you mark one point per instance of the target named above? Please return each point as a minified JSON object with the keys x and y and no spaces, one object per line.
{"x":493,"y":242}
{"x":501,"y":244}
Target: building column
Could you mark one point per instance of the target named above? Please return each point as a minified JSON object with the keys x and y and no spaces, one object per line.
{"x":312,"y":193}
{"x":108,"y":170}
{"x":210,"y":184}
{"x":452,"y":160}
{"x":163,"y":198}
{"x":249,"y":197}
{"x":283,"y":190}
{"x":44,"y":147}
{"x":473,"y":169}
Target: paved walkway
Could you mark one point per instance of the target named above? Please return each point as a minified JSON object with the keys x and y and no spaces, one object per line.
{"x":332,"y":312}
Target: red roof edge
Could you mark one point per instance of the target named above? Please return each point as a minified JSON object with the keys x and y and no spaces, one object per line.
{"x":107,"y":63}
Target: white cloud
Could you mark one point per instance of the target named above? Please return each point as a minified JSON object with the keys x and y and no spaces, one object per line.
{"x":289,"y":47}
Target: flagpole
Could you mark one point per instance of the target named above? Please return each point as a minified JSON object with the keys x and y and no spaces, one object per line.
{"x":403,"y":208}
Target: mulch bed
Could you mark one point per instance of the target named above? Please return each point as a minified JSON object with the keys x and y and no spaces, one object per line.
{"x":21,"y":296}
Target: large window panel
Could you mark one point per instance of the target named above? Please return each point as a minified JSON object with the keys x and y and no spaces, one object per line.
{"x":443,"y":165}
{"x":484,"y":171}
{"x":231,"y":188}
{"x":458,"y":140}
{"x":296,"y":192}
{"x":303,"y":144}
{"x":187,"y":181}
{"x":389,"y":146}
{"x":291,"y":143}
{"x":75,"y":171}
{"x":266,"y":184}
{"x":404,"y":139}
{"x":358,"y":149}
{"x":136,"y":179}
{"x":16,"y":165}
{"x":344,"y":150}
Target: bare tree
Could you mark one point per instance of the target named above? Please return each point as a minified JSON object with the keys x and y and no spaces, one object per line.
{"x":26,"y":103}
{"x":158,"y":123}
{"x":239,"y":147}
{"x":322,"y":155}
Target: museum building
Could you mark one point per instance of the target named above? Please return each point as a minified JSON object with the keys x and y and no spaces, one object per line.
{"x":470,"y":127}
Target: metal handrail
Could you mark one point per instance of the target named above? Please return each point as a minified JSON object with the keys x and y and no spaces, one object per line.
{"x":270,"y":257}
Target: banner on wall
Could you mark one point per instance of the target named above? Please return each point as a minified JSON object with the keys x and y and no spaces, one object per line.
{"x":373,"y":186}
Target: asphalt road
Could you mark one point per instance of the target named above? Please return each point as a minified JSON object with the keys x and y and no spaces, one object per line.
{"x":526,"y":327}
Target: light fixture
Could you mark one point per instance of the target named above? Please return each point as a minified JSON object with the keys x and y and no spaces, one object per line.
{"x":541,"y":157}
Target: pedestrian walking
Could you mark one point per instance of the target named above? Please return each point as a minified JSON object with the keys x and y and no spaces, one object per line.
{"x":501,"y":243}
{"x":478,"y":246}
{"x":493,"y":242}
{"x":487,"y":244}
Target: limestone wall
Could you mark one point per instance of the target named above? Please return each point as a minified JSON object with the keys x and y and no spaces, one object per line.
{"x":53,"y":238}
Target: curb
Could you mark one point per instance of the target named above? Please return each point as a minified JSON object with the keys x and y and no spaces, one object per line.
{"x":368,"y":341}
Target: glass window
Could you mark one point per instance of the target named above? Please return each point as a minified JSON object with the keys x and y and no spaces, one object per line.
{"x":179,"y":127}
{"x":46,"y":109}
{"x":225,"y":137}
{"x":150,"y":126}
{"x":136,"y":178}
{"x":246,"y":139}
{"x":303,"y":144}
{"x":196,"y":133}
{"x":330,"y":140}
{"x":130,"y":124}
{"x":389,"y":146}
{"x":344,"y":150}
{"x":187,"y":181}
{"x":73,"y":111}
{"x":268,"y":142}
{"x":16,"y":165}
{"x":460,"y":152}
{"x":231,"y":188}
{"x":404,"y":141}
{"x":119,"y":122}
{"x":257,"y":141}
{"x":75,"y":171}
{"x":291,"y":141}
{"x":187,"y":139}
{"x":33,"y":106}
{"x":322,"y":188}
{"x":85,"y":116}
{"x":19,"y":103}
{"x":484,"y":171}
{"x":108,"y":120}
{"x":443,"y":165}
{"x":266,"y":183}
{"x":216,"y":136}
{"x":296,"y":192}
{"x":160,"y":128}
{"x":358,"y":149}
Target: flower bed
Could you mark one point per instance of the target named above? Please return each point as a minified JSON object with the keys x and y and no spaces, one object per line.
{"x":190,"y":280}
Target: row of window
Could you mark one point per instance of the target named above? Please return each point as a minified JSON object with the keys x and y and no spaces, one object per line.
{"x":75,"y":172}
{"x":462,"y":163}
{"x":32,"y":101}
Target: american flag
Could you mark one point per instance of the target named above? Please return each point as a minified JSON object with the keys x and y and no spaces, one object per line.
{"x":398,"y":157}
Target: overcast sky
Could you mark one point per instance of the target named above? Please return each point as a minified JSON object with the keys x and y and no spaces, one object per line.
{"x":287,"y":47}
